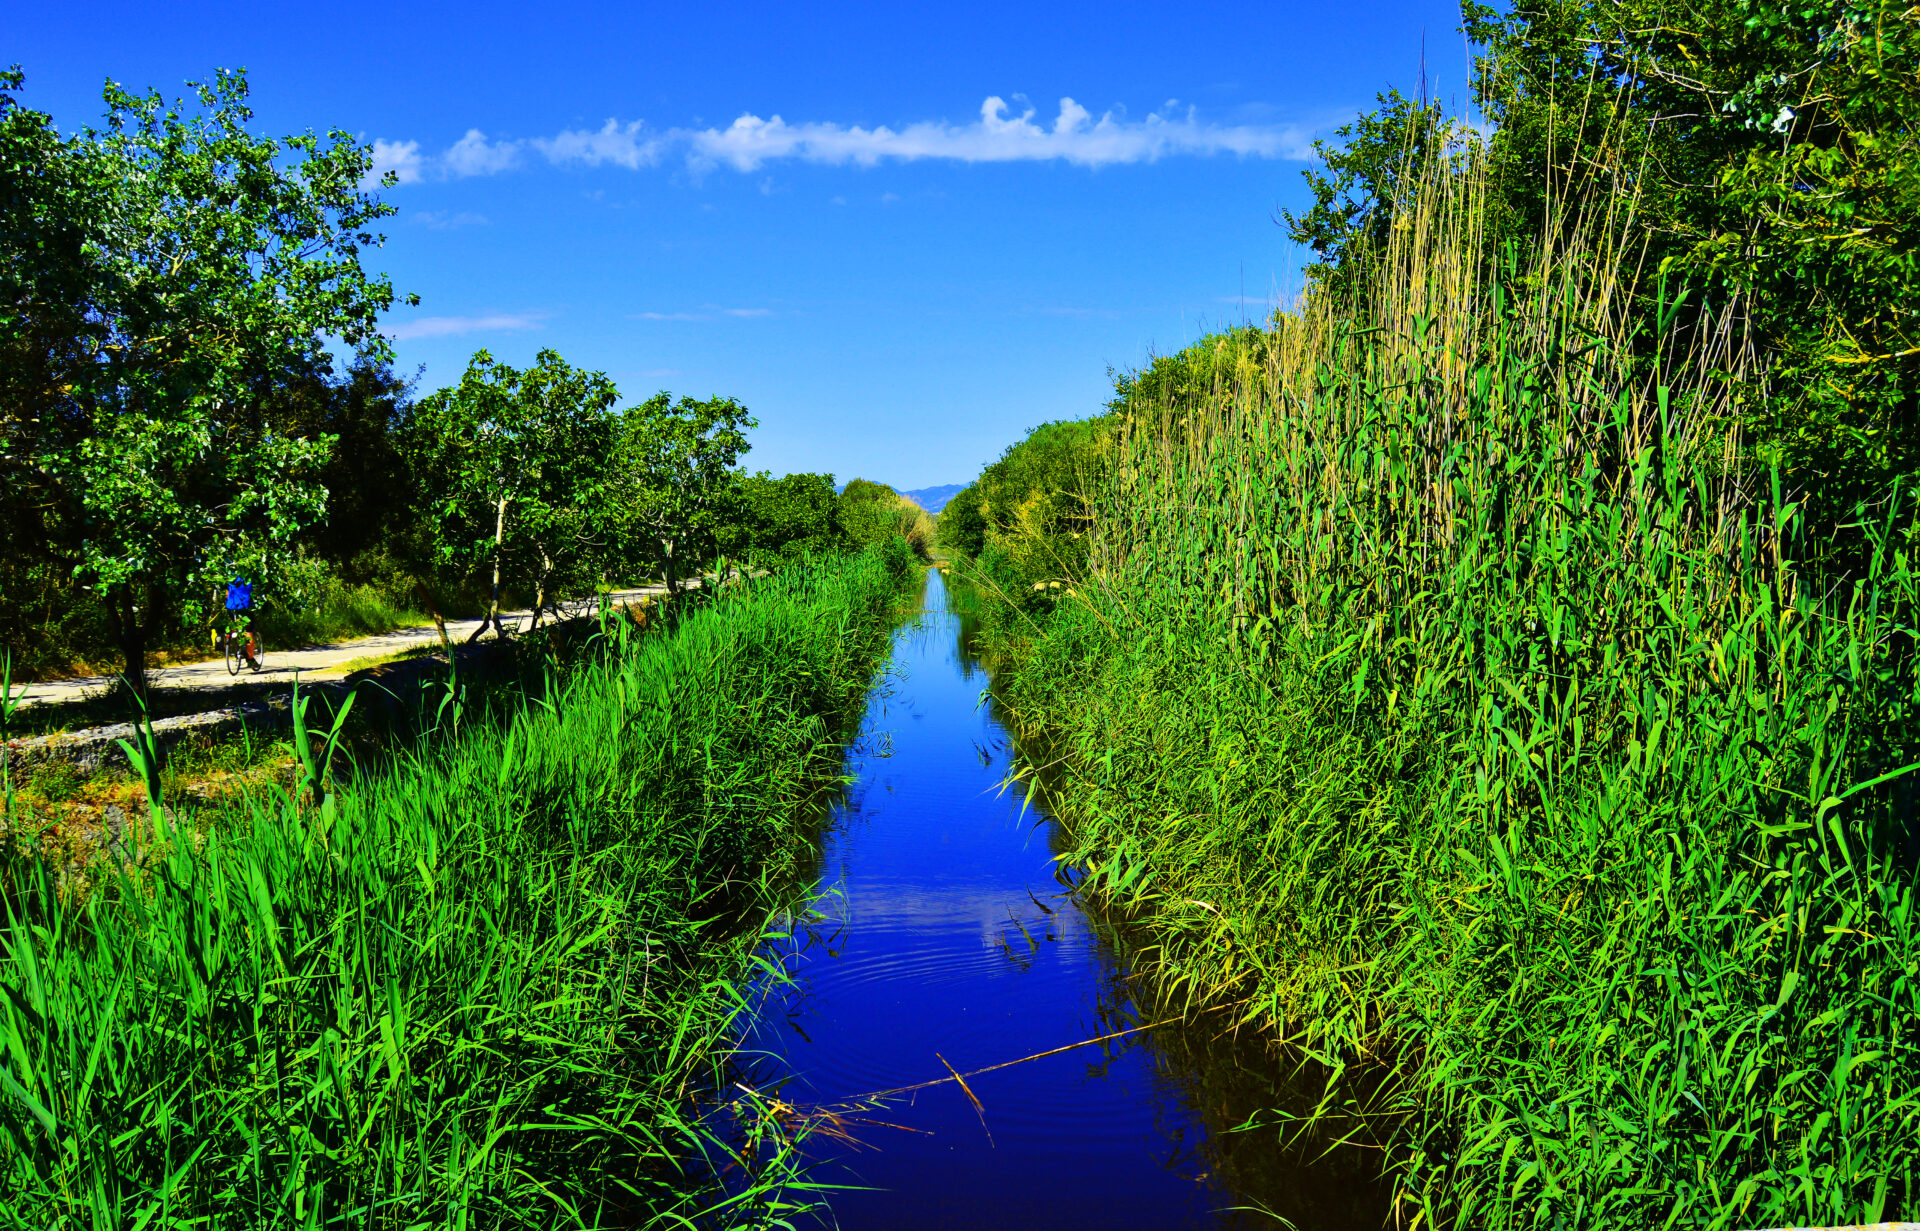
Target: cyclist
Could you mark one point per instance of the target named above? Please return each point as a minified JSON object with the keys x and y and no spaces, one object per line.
{"x":239,"y":607}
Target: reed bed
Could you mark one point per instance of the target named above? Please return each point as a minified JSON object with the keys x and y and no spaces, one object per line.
{"x":493,"y":986}
{"x":1453,"y":690}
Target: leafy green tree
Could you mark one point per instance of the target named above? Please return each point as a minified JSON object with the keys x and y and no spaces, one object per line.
{"x":962,"y":525}
{"x":779,"y":521}
{"x":873,"y":513}
{"x":1755,"y":164}
{"x":1024,"y":521}
{"x":373,"y":491}
{"x":673,"y":480}
{"x":1372,"y":171}
{"x":870,"y":511}
{"x":517,"y":461}
{"x":150,"y":273}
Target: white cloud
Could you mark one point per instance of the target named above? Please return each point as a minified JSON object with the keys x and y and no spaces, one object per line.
{"x":999,"y":135}
{"x":473,"y":154}
{"x":400,"y":157}
{"x":453,"y":326}
{"x":441,"y":220}
{"x":705,"y":315}
{"x":622,"y":145}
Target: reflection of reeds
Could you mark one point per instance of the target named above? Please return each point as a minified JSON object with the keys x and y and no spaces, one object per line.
{"x":1451,"y":684}
{"x":838,"y":1121}
{"x":494,"y":985}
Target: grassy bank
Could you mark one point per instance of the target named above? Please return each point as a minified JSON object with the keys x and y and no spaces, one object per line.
{"x":1450,"y":687}
{"x":492,"y":986}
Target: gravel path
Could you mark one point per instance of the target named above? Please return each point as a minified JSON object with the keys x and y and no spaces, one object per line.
{"x":313,"y":662}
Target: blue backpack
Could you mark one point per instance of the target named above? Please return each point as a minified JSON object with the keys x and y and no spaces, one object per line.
{"x":239,"y":595}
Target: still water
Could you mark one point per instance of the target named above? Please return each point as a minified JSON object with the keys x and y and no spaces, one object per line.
{"x":946,"y":939}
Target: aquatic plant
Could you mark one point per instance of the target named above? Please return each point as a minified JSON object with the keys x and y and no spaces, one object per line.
{"x":1451,"y":689}
{"x":493,"y":985}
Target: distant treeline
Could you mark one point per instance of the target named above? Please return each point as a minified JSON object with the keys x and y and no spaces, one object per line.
{"x":1497,"y":674}
{"x":172,"y":415}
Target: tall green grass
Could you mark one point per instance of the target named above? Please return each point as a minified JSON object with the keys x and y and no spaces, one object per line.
{"x":493,"y":986}
{"x":1451,"y":689}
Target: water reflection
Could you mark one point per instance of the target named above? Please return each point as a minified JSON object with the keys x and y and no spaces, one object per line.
{"x":948,"y":941}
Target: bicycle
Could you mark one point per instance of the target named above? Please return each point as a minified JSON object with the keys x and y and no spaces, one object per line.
{"x":239,"y":644}
{"x":239,"y":641}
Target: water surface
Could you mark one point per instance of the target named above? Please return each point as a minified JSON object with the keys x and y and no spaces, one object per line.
{"x":947,"y":938}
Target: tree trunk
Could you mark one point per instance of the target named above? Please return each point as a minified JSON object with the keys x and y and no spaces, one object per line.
{"x":540,"y":590}
{"x":672,"y":568}
{"x":493,"y":604}
{"x":130,"y":634}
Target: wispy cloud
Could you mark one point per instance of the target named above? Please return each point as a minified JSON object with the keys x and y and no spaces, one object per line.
{"x":453,"y":326}
{"x":705,"y":314}
{"x":440,"y":220}
{"x":1001,"y":134}
{"x":623,"y":145}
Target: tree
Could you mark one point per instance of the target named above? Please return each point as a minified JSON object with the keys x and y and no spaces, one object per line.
{"x":873,"y":513}
{"x":962,"y":524}
{"x":151,"y":272}
{"x":372,"y":490}
{"x":518,"y":464}
{"x":1771,"y":157}
{"x":778,"y":521}
{"x":674,"y":478}
{"x":1372,"y":172}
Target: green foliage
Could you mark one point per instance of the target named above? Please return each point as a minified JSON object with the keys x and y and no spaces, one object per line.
{"x":1446,"y":701}
{"x":672,"y":468}
{"x":332,"y":609}
{"x":963,"y":523}
{"x":1747,"y":155}
{"x":517,"y":464}
{"x":1373,"y":170}
{"x":494,"y":986}
{"x":874,"y":513}
{"x":154,"y":271}
{"x":55,"y":782}
{"x":780,"y":521}
{"x":373,"y":489}
{"x":1024,"y":520}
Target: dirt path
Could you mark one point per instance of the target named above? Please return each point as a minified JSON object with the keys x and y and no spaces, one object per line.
{"x":312,"y":662}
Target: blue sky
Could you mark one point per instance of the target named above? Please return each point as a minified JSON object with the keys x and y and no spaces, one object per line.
{"x":880,"y":227}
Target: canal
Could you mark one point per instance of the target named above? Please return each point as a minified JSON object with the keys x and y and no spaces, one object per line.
{"x":943,"y":938}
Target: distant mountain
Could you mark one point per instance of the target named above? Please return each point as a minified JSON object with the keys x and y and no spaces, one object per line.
{"x":933,"y":499}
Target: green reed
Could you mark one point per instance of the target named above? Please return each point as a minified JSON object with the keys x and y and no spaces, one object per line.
{"x":1452,"y":690}
{"x":492,"y":986}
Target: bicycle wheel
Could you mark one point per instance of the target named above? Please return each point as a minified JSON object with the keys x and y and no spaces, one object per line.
{"x":232,"y":650}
